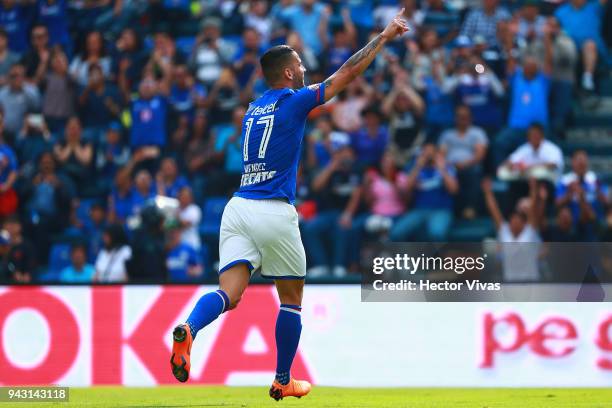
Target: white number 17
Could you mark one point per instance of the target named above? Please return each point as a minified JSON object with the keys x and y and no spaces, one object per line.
{"x":268,"y":121}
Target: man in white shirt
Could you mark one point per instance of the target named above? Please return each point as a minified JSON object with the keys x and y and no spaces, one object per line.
{"x":537,"y":153}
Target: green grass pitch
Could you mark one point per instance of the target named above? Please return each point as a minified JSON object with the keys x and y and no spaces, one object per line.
{"x":251,"y":397}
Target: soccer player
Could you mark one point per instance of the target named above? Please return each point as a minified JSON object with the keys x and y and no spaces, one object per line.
{"x":259,"y":228}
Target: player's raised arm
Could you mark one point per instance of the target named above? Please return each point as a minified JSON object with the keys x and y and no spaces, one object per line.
{"x":359,"y":61}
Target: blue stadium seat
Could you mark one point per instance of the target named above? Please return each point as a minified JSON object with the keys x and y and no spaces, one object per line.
{"x":211,"y":217}
{"x":59,"y":258}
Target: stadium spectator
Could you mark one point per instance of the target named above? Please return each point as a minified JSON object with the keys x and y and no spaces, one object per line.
{"x":185,"y":94}
{"x":564,"y":62}
{"x":53,"y":14}
{"x":8,"y":175}
{"x":210,"y":52}
{"x":189,"y":217}
{"x":346,"y":111}
{"x":128,"y":59}
{"x":584,"y":195}
{"x":343,"y":44}
{"x":79,"y":270}
{"x":111,"y":155}
{"x":148,"y":243}
{"x":518,"y":236}
{"x":581,"y":20}
{"x":320,"y":143}
{"x":8,"y":57}
{"x":168,"y":181}
{"x":121,"y":15}
{"x":439,"y":17}
{"x":309,"y":19}
{"x":98,"y":104}
{"x":260,"y":20}
{"x":149,"y":115}
{"x":19,"y":263}
{"x":93,"y":227}
{"x":431,"y":184}
{"x":183,"y":261}
{"x":529,"y":92}
{"x":370,"y":142}
{"x":74,"y":155}
{"x":224,"y":97}
{"x":93,"y":54}
{"x":428,"y":61}
{"x":385,"y":195}
{"x":536,"y":153}
{"x":227,"y":141}
{"x":36,"y":60}
{"x":46,"y":197}
{"x":143,"y":191}
{"x":465,"y":148}
{"x":476,"y":86}
{"x":245,"y":61}
{"x":15,"y":19}
{"x":405,"y":108}
{"x":17,"y":98}
{"x":120,"y":197}
{"x":112,"y":258}
{"x":336,"y":189}
{"x":385,"y":11}
{"x":59,"y":92}
{"x":563,"y":229}
{"x":309,"y":59}
{"x":528,"y":23}
{"x":484,"y":21}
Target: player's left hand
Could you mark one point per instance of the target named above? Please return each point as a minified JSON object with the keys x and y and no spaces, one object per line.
{"x":396,"y":27}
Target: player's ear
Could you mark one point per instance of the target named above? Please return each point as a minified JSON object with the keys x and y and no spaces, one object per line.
{"x":289,"y":73}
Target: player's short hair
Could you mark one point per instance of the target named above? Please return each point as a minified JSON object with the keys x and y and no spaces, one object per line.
{"x":274,"y":61}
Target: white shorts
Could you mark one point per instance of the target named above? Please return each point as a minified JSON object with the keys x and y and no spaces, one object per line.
{"x":263,"y":234}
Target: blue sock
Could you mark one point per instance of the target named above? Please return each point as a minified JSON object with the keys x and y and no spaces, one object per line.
{"x":208,"y":308}
{"x":288,"y":330}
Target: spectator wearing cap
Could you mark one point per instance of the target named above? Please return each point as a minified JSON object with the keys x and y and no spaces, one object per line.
{"x":370,"y":142}
{"x":336,"y":189}
{"x":8,"y":175}
{"x":483,"y":21}
{"x":210,"y":52}
{"x":79,"y":270}
{"x":430,"y":186}
{"x":529,"y":92}
{"x":7,"y":57}
{"x":98,"y":104}
{"x":17,"y":99}
{"x":465,"y":148}
{"x":442,"y":19}
{"x":581,"y":20}
{"x":584,"y":194}
{"x":183,"y":262}
{"x":15,"y":18}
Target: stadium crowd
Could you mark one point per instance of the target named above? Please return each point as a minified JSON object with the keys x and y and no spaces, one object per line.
{"x":108,"y":105}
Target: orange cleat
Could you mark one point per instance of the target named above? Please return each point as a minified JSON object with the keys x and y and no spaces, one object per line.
{"x":295,"y":388}
{"x":181,"y":351}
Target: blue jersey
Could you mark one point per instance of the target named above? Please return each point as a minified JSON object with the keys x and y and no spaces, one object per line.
{"x":272,"y":133}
